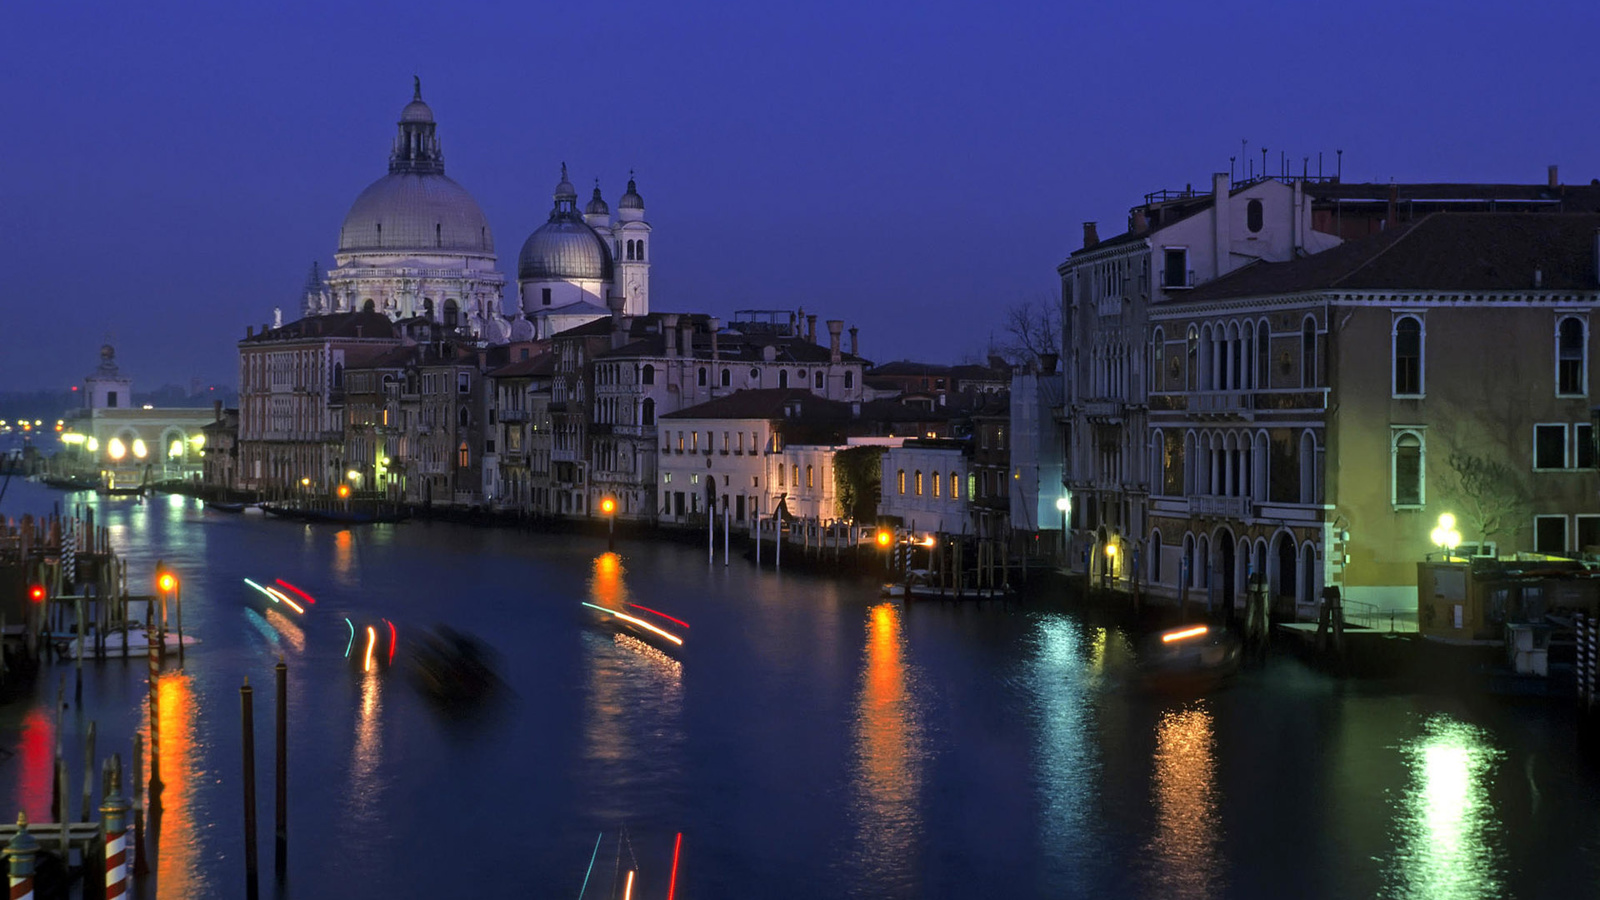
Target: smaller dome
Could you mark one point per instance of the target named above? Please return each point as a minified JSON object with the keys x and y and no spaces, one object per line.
{"x":564,"y":248}
{"x":597,"y":204}
{"x":631,"y":200}
{"x":416,"y":111}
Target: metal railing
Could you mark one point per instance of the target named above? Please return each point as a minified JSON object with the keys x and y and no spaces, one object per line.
{"x":1369,"y":616}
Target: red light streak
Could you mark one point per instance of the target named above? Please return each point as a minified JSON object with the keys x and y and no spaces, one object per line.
{"x":661,"y":614}
{"x":308,"y":598}
{"x":672,"y":886}
{"x":392,"y":638}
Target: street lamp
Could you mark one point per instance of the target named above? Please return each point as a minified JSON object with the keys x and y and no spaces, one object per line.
{"x":1111,"y":562}
{"x":1063,"y":504}
{"x":1446,"y":537}
{"x":608,"y":506}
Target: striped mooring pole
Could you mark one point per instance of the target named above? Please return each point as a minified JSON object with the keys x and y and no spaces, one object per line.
{"x":20,"y":852}
{"x":114,"y":821}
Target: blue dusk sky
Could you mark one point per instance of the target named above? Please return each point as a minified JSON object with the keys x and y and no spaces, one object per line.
{"x":170,"y":171}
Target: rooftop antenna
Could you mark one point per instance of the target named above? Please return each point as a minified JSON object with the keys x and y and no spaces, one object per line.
{"x":1339,"y":174}
{"x":1263,"y":162}
{"x":1230,"y":167}
{"x":1319,"y":165}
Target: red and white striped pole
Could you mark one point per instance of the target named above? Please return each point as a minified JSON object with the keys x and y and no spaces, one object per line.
{"x":114,"y":819}
{"x":20,"y":852}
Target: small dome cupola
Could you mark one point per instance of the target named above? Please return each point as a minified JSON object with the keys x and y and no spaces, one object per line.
{"x":597,"y":204}
{"x":565,"y":247}
{"x":631,"y":199}
{"x":416,"y":148}
{"x":566,"y":197}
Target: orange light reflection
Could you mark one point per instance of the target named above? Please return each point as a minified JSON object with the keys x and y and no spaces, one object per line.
{"x":179,"y":872}
{"x":888,"y":738}
{"x":287,"y":629}
{"x":1188,"y":829}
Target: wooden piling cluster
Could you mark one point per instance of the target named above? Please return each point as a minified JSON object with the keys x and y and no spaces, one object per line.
{"x":85,"y":588}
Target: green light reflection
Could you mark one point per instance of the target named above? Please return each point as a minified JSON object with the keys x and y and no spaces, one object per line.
{"x":1449,"y":844}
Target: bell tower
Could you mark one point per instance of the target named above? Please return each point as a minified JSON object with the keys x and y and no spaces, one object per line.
{"x":631,"y":235}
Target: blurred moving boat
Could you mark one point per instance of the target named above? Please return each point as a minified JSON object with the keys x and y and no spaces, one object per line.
{"x":453,"y":667}
{"x":1194,"y":657}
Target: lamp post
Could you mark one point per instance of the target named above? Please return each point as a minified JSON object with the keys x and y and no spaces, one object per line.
{"x":1063,"y":504}
{"x":1445,"y":536}
{"x":1111,"y":561}
{"x":608,"y":506}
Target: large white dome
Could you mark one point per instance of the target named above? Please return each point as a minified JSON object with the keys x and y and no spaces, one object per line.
{"x":409,"y":212}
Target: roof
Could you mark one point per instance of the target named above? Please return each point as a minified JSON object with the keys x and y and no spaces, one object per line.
{"x":333,"y":325}
{"x":764,"y":403}
{"x":537,"y":364}
{"x":1489,"y":252}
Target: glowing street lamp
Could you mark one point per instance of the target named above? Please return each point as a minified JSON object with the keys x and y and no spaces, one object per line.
{"x":1063,"y":504}
{"x":608,"y":506}
{"x":115,"y":449}
{"x":139,"y":449}
{"x":1111,"y":561}
{"x":1446,"y":537}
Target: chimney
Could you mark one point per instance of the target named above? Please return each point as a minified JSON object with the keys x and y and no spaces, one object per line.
{"x":811,"y":328}
{"x":1090,"y":236}
{"x":835,"y":327}
{"x":216,"y":409}
{"x":1139,"y":223}
{"x":1389,"y":219}
{"x":1538,"y":278}
{"x":716,"y":350}
{"x":854,"y":341}
{"x":1555,"y":179}
{"x":619,"y":327}
{"x":687,"y":340}
{"x":249,"y":332}
{"x":669,"y":330}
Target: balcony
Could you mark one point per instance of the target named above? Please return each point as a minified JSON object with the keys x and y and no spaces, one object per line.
{"x":513,"y":415}
{"x":1109,"y":411}
{"x":1219,"y":507}
{"x":1222,"y":404}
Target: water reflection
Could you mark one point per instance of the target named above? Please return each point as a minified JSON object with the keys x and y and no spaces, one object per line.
{"x":292,"y":633}
{"x":178,"y":863}
{"x":1188,"y":830}
{"x":368,"y":753}
{"x":344,"y":566}
{"x":1068,"y":766}
{"x":888,"y":749}
{"x":633,"y":712}
{"x":1449,"y":844}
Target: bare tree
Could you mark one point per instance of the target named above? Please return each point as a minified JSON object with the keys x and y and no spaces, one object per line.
{"x":1494,"y":499}
{"x":1031,"y":328}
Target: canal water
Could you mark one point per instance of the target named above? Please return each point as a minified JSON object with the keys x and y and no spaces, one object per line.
{"x":811,"y":741}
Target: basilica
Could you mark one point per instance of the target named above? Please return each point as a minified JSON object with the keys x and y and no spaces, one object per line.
{"x":415,"y":244}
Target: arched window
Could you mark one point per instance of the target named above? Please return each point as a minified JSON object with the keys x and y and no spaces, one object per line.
{"x":783,"y":378}
{"x":919,"y":483}
{"x":463,"y":456}
{"x":649,"y":411}
{"x":368,"y":306}
{"x":1263,"y":356}
{"x":1247,"y":356}
{"x":630,"y":250}
{"x":427,"y":307}
{"x":727,"y":377}
{"x":1186,"y":574}
{"x":647,"y":375}
{"x":701,"y":378}
{"x":1155,"y":556}
{"x":1158,"y":356}
{"x":810,"y":481}
{"x":1408,"y":356}
{"x":1192,"y":351}
{"x":1253,"y":216}
{"x":819,"y":380}
{"x":1308,"y":467}
{"x":1571,"y":375}
{"x":338,"y":374}
{"x":955,"y":486}
{"x":1308,"y":353}
{"x":1408,"y":472}
{"x":464,"y":416}
{"x":452,"y":313}
{"x":900,"y":479}
{"x":639,"y":250}
{"x":755,"y":375}
{"x":934,"y":481}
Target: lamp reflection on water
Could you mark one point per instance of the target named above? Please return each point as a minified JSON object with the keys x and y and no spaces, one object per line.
{"x":37,"y":759}
{"x":1068,"y":761}
{"x":1450,"y":845}
{"x":179,"y":870}
{"x":888,"y":751}
{"x":1187,"y":838}
{"x":343,"y":555}
{"x":368,"y":752}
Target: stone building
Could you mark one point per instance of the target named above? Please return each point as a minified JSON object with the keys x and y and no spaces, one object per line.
{"x":1310,"y":420}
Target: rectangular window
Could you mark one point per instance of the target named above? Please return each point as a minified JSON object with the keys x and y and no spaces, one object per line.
{"x":1588,"y":534}
{"x":666,"y":478}
{"x":1550,"y":535}
{"x":796,"y":474}
{"x":680,"y":442}
{"x":781,"y":475}
{"x":724,"y":442}
{"x":1583,"y":445}
{"x":1549,"y":447}
{"x":463,"y":383}
{"x":1175,"y":267}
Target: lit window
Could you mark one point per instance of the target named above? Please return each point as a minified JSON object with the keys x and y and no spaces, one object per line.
{"x":796,"y":474}
{"x":919,"y":483}
{"x":935,"y":481}
{"x":464,"y":456}
{"x":810,"y":480}
{"x":901,"y":479}
{"x":1571,"y":378}
{"x":955,"y":485}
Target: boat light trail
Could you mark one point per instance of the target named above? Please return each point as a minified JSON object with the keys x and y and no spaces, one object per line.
{"x":262,"y":590}
{"x":637,"y":621}
{"x":627,"y":891}
{"x":303,"y":595}
{"x":352,"y":642}
{"x":672,"y":886}
{"x":660,"y":613}
{"x":284,"y":598}
{"x":591,"y":866}
{"x":372,"y":638}
{"x":1171,"y":636}
{"x":392,"y":638}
